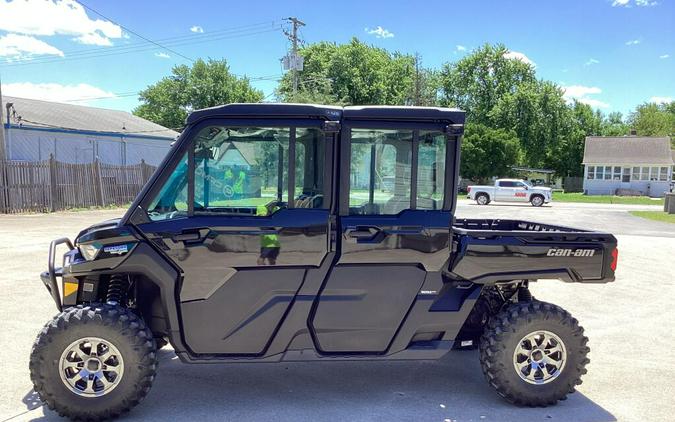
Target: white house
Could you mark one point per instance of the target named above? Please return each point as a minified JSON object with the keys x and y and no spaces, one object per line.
{"x":627,"y":164}
{"x":36,"y":129}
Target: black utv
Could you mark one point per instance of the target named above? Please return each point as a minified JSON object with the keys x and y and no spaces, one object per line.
{"x":282,"y":232}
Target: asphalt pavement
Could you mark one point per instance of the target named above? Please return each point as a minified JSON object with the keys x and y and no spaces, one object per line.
{"x":629,"y":322}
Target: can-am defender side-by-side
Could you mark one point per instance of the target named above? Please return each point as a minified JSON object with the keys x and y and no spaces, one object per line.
{"x":283,"y":232}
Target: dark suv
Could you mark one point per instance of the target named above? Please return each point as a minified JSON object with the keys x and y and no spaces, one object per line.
{"x":277,"y":232}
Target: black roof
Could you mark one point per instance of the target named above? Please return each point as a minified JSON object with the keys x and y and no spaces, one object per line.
{"x":323,"y":112}
{"x":451,"y":115}
{"x":248,"y":110}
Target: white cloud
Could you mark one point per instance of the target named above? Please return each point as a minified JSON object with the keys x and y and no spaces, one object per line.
{"x":639,"y":3}
{"x":581,"y":93}
{"x":56,"y":17}
{"x":380,"y":32}
{"x":17,"y":46}
{"x":93,"y":39}
{"x":633,"y":42}
{"x":593,"y":102}
{"x":162,"y":55}
{"x":198,"y":29}
{"x":664,"y":56}
{"x":661,"y":100}
{"x":461,"y":48}
{"x":591,"y":61}
{"x":519,"y":56}
{"x":55,"y":92}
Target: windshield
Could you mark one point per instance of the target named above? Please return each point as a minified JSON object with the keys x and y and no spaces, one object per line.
{"x":527,"y":183}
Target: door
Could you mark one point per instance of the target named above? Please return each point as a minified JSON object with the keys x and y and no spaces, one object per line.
{"x":394,"y":230}
{"x":625,"y":178}
{"x":506,"y":191}
{"x":244,"y":214}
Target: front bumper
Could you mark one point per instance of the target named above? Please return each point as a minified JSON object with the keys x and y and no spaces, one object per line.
{"x":49,"y":277}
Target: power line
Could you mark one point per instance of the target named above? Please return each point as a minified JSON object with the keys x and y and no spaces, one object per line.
{"x":177,"y":40}
{"x":130,"y":49}
{"x":133,"y":32}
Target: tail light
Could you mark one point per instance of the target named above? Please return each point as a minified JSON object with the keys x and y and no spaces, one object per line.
{"x":615,"y":259}
{"x":468,"y":189}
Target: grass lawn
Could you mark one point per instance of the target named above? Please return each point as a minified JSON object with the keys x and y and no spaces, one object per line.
{"x":605,"y":199}
{"x":655,"y":215}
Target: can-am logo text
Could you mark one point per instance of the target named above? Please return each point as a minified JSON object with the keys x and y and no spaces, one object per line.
{"x":570,"y":252}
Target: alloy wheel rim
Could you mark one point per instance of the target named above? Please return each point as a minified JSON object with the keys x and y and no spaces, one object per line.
{"x":482,"y":200}
{"x":537,"y":200}
{"x":91,"y":367}
{"x":539,"y":357}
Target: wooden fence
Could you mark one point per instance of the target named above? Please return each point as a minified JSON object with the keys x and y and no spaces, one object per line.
{"x":52,"y":185}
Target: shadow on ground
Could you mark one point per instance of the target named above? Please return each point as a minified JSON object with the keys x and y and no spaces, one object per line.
{"x":450,"y":389}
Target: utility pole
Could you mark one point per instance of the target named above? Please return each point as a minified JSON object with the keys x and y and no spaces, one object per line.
{"x":294,"y":62}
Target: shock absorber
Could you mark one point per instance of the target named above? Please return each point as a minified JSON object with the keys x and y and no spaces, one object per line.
{"x":116,"y":289}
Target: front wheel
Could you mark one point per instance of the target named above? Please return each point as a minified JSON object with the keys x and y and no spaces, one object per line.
{"x":533,"y":353}
{"x":93,"y":362}
{"x":537,"y":201}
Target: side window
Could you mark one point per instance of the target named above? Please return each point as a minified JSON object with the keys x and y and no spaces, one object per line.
{"x":241,"y":170}
{"x":506,"y":184}
{"x":430,"y":170}
{"x":245,"y":171}
{"x":310,"y":153}
{"x":380,"y":167}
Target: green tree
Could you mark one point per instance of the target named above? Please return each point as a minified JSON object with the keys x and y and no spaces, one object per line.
{"x":614,"y":125}
{"x":477,"y":82}
{"x":352,"y":73}
{"x":652,"y":119}
{"x":488,"y":152}
{"x":541,"y":119}
{"x":204,"y":84}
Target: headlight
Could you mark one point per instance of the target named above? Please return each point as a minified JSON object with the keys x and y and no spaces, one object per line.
{"x":90,"y":251}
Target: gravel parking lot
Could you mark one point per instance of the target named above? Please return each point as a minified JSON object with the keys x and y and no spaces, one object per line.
{"x":630,"y":325}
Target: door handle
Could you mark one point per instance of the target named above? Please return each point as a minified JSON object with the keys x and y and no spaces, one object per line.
{"x":363,"y":233}
{"x":189,"y":236}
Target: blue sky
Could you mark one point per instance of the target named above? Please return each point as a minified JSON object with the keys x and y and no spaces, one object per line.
{"x":612,"y":54}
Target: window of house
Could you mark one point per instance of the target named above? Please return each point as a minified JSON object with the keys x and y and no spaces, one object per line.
{"x":380,"y":171}
{"x":608,"y":172}
{"x":599,"y":172}
{"x":654,"y":174}
{"x":617,"y":173}
{"x":636,"y":173}
{"x":590,"y":174}
{"x":625,"y":178}
{"x":644,"y":173}
{"x":430,"y":170}
{"x":663,"y":174}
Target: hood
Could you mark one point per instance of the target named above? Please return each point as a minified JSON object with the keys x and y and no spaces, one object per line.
{"x":104,"y":229}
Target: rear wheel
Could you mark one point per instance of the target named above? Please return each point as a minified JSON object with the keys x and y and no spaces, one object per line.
{"x":537,"y":200}
{"x":482,"y":199}
{"x":533,"y":353}
{"x":94,"y":362}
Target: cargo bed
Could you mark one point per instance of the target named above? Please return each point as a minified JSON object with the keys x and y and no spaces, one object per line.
{"x":488,"y":251}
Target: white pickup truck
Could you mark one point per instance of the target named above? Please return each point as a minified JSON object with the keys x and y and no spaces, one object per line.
{"x":510,"y":190}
